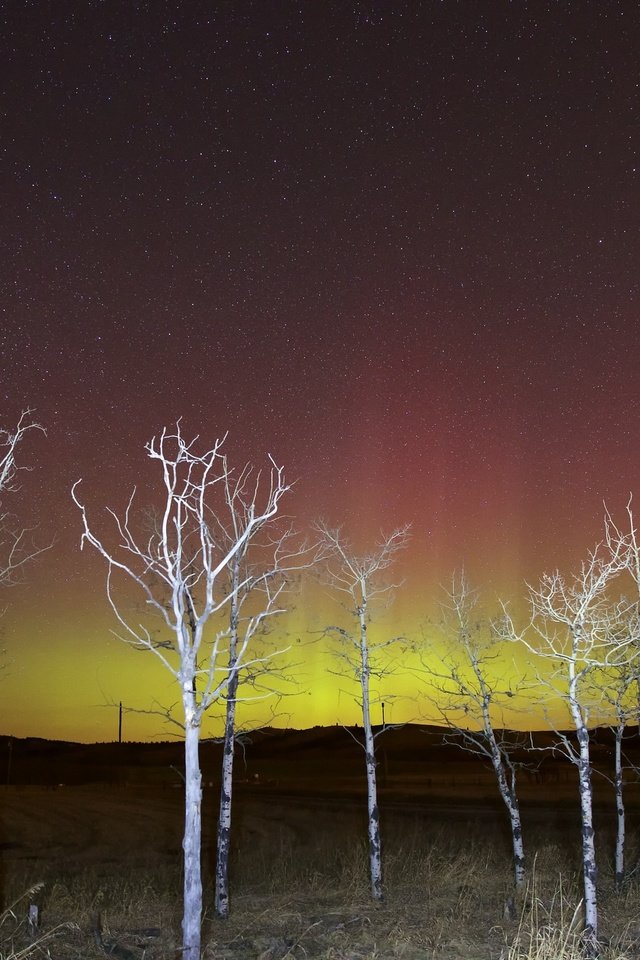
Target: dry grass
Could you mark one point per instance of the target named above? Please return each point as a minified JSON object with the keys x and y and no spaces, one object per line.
{"x":550,"y":928}
{"x":446,"y":893}
{"x":19,"y":936}
{"x":300,"y":891}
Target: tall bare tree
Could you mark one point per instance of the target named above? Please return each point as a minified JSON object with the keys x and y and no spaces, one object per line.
{"x":258,"y":573}
{"x":472,"y":691}
{"x":15,"y":548}
{"x":618,"y":683}
{"x":189,"y":560}
{"x":614,"y":688}
{"x":577,"y":627}
{"x":626,"y":543}
{"x":360,"y":578}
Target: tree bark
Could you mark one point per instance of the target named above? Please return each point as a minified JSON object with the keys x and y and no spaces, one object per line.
{"x":508,"y":793}
{"x":191,"y":844}
{"x":620,"y":811}
{"x":223,"y":840}
{"x":375,"y":847}
{"x":589,"y":869}
{"x":510,"y":799}
{"x":223,"y":843}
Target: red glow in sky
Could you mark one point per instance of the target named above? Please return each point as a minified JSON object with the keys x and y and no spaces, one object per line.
{"x":395,"y":246}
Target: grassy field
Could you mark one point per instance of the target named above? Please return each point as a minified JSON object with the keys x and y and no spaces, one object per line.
{"x":108,"y":860}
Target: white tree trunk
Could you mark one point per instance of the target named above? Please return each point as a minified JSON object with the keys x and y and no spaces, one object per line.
{"x":589,"y":870}
{"x":620,"y":812}
{"x":358,"y":578}
{"x":223,"y":843}
{"x":223,"y":840}
{"x":510,"y":799}
{"x":517,"y":842}
{"x":192,"y":915}
{"x":507,"y":792}
{"x":375,"y":847}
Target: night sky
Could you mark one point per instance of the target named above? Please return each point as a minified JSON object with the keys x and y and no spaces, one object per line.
{"x":395,"y":245}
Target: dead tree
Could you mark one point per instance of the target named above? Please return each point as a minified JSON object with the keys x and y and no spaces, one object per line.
{"x":186,"y":559}
{"x":470,"y":691}
{"x":614,"y":688}
{"x":358,"y":577}
{"x":15,"y":548}
{"x":622,"y":679}
{"x":625,"y":543}
{"x":258,"y":573}
{"x":576,"y":627}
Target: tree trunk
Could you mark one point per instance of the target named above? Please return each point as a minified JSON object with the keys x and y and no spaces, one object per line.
{"x":588,"y":838}
{"x":508,"y":793}
{"x":510,"y":799}
{"x":620,"y":812}
{"x":375,"y":848}
{"x":223,"y":843}
{"x":191,"y":843}
{"x":223,"y":840}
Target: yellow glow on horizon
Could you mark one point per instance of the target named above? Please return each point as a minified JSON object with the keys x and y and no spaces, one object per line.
{"x":65,"y":677}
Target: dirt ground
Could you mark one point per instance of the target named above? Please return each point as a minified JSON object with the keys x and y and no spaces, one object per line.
{"x":109,"y":861}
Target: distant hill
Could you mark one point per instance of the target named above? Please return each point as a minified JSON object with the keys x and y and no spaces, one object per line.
{"x":266,"y":756}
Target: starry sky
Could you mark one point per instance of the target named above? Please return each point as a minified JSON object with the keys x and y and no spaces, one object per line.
{"x":394,"y":245}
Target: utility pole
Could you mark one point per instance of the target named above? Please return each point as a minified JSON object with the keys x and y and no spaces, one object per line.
{"x":120,"y":723}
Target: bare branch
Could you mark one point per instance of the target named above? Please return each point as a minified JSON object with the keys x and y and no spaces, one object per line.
{"x":469,"y":690}
{"x":190,"y":563}
{"x":358,"y":577}
{"x":16,"y":548}
{"x":578,"y":627}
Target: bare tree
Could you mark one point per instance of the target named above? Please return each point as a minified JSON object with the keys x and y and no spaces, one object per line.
{"x":258,"y":573}
{"x":618,"y":682}
{"x":187,"y":559}
{"x":577,"y":627}
{"x":16,"y":550}
{"x":625,"y":543}
{"x":614,"y":688}
{"x":359,"y":578}
{"x":471,"y":690}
